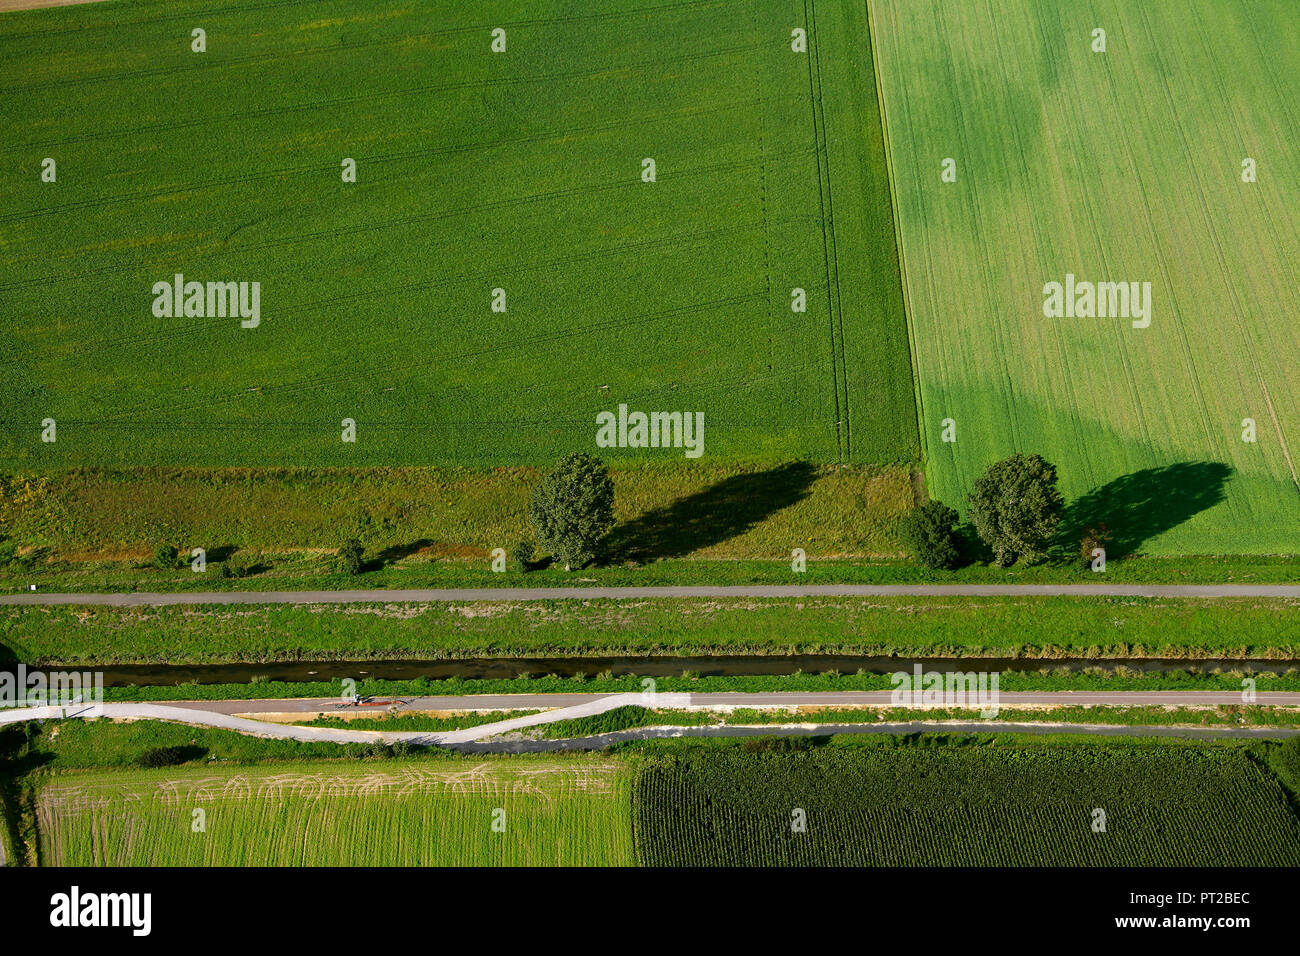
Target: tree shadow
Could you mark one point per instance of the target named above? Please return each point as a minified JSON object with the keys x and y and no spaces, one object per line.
{"x":220,"y":553}
{"x":718,"y":513}
{"x":1142,"y":505}
{"x":395,"y":552}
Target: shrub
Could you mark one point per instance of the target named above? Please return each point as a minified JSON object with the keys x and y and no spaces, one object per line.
{"x":930,"y":532}
{"x":1016,"y":507}
{"x":165,"y":557}
{"x":1092,"y":539}
{"x":235,"y":566}
{"x":573,"y":508}
{"x":8,"y":552}
{"x":350,"y":557}
{"x":522,"y":556}
{"x":403,"y":748}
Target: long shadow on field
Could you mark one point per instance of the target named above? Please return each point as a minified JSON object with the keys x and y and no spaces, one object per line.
{"x":396,"y":552}
{"x":716,"y":514}
{"x":1137,"y":507}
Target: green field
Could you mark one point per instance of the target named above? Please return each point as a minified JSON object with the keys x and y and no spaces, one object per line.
{"x":420,"y":813}
{"x":476,"y":170}
{"x":964,"y":807}
{"x":1117,"y":166}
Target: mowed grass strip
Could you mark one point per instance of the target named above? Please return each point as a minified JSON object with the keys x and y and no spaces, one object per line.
{"x":1122,"y":166}
{"x":1032,"y":806}
{"x":476,"y":171}
{"x":572,"y":812}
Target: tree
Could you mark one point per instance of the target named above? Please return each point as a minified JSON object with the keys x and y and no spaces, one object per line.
{"x":350,"y":556}
{"x":572,"y":509}
{"x":1015,"y":508}
{"x":165,"y":557}
{"x":930,"y":531}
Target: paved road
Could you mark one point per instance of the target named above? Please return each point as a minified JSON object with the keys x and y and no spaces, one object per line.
{"x":731,"y":700}
{"x":144,"y":598}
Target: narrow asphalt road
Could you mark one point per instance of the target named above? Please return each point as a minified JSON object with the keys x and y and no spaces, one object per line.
{"x":426,"y":595}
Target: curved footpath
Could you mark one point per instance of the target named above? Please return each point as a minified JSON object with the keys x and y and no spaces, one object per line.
{"x":219,"y":714}
{"x":427,"y":595}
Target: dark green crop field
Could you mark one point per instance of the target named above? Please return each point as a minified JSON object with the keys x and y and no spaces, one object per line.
{"x":475,"y":171}
{"x":1034,"y":806}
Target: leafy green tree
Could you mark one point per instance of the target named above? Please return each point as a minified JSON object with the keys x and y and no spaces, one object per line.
{"x":573,"y":508}
{"x":165,"y":557}
{"x":930,"y":532}
{"x":1016,"y":507}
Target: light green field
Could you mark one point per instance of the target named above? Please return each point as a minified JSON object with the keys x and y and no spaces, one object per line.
{"x":1122,"y":166}
{"x":417,"y":813}
{"x":476,"y":170}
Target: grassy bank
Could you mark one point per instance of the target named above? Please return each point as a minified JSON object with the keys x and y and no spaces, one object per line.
{"x":96,"y":520}
{"x":1047,"y":627}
